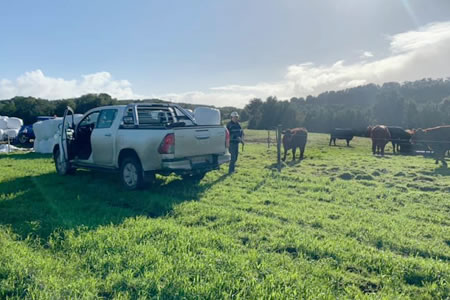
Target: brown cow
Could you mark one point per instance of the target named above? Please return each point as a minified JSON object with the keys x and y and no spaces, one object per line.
{"x":436,"y":138}
{"x":380,"y":137}
{"x":293,"y":138}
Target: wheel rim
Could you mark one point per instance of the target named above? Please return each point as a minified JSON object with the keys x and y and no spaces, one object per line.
{"x":23,"y":139}
{"x":130,"y":174}
{"x":60,"y":165}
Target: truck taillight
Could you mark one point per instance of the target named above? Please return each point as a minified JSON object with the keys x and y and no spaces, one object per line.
{"x":227,"y":138}
{"x":167,"y":145}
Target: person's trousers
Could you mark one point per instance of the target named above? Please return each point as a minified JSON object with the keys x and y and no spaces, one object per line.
{"x":234,"y":151}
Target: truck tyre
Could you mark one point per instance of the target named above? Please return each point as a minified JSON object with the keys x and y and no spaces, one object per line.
{"x":62,"y":168}
{"x":23,"y":139}
{"x":131,"y":173}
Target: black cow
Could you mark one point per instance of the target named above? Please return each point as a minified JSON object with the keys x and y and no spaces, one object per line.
{"x":436,"y":138}
{"x":341,"y":134}
{"x":293,"y":138}
{"x":400,"y":139}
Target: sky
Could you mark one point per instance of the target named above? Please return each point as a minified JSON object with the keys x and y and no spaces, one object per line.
{"x":222,"y":53}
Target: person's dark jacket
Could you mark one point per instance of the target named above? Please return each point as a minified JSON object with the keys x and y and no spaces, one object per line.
{"x":235,"y":130}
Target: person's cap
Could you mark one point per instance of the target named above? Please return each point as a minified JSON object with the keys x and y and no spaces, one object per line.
{"x":234,"y":114}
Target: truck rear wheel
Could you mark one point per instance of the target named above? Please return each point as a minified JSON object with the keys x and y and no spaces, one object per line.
{"x":131,"y":173}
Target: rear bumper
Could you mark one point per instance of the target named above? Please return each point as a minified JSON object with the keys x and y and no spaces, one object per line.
{"x":194,"y":164}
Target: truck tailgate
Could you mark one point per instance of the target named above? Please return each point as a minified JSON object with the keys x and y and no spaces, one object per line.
{"x":196,"y":141}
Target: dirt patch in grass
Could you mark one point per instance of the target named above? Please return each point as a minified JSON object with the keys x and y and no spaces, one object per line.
{"x":424,"y":188}
{"x":364,"y":177}
{"x":334,"y":217}
{"x":346,"y":176}
{"x":369,"y":287}
{"x":424,"y":178}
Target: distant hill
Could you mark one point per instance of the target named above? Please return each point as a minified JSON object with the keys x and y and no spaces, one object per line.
{"x":423,"y":103}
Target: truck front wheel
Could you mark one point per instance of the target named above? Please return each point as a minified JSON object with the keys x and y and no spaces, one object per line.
{"x":131,"y":173}
{"x":62,"y":167}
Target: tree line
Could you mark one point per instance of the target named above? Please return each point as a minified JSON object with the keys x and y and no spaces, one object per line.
{"x":419,"y":104}
{"x":29,"y":108}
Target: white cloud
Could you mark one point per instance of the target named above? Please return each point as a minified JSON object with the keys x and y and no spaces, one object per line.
{"x":413,"y":55}
{"x":219,"y":98}
{"x":37,"y":84}
{"x":366,"y":54}
{"x":422,"y":53}
{"x":428,"y":36}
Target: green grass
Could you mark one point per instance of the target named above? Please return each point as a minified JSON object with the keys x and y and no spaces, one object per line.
{"x":339,"y":224}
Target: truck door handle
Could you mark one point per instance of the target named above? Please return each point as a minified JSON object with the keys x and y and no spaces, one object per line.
{"x":107,"y":134}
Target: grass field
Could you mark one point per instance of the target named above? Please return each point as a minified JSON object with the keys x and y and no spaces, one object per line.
{"x":339,"y":224}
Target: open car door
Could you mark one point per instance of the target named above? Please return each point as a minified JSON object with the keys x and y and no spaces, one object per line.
{"x":62,"y":162}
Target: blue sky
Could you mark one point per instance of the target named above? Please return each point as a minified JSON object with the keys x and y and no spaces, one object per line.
{"x":218,"y":52}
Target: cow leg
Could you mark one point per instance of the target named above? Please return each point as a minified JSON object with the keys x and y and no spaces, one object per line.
{"x":393,"y":147}
{"x":373,"y":147}
{"x":348,"y":142}
{"x":334,"y":141}
{"x":440,"y":155}
{"x":382,"y":150}
{"x":284,"y":156}
{"x":302,"y":150}
{"x":329,"y":144}
{"x":293,"y":152}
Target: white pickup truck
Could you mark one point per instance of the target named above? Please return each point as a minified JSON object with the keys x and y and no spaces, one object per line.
{"x":140,"y":140}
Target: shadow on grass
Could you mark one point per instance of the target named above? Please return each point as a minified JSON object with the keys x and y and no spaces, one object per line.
{"x":442,"y":170}
{"x":38,"y":205}
{"x":385,"y":156}
{"x":284,"y":164}
{"x":25,"y":156}
{"x":341,"y":146}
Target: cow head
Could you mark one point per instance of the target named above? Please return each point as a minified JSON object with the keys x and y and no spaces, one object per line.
{"x":368,"y":131}
{"x":418,"y":135}
{"x":286,"y":132}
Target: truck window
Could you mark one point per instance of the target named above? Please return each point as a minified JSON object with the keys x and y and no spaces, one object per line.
{"x":106,"y":118}
{"x":154,"y":116}
{"x":183,"y":118}
{"x":90,"y":120}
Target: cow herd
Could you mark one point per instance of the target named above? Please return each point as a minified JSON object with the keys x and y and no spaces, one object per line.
{"x":436,"y":139}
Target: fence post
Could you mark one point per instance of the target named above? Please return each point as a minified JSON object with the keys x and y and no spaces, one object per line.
{"x":279,"y":147}
{"x":268,"y":139}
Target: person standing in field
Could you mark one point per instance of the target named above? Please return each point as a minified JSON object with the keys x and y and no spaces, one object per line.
{"x":236,"y":137}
